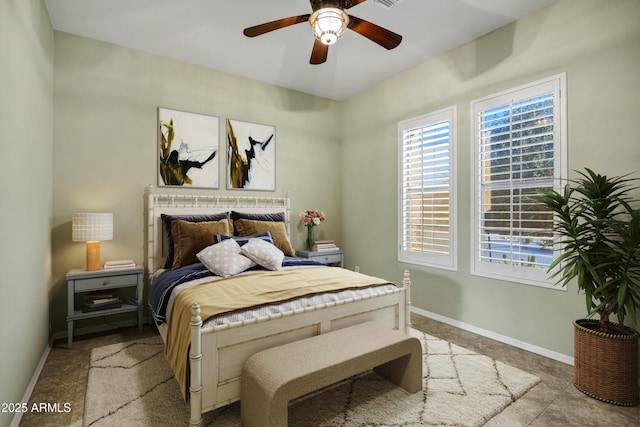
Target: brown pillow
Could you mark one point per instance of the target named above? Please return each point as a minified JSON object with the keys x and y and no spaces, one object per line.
{"x":167,"y":238}
{"x":189,"y":238}
{"x":248,"y":227}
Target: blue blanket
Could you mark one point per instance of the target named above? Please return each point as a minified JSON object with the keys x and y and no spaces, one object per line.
{"x":165,"y":282}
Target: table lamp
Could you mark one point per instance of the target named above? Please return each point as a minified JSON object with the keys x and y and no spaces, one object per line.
{"x":92,"y":228}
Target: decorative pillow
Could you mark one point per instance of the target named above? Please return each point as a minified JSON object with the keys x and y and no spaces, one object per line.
{"x":248,"y":227}
{"x":167,"y":240}
{"x":189,"y":238}
{"x":263,"y":253}
{"x":224,"y":259}
{"x":242,"y":240}
{"x":272,"y":217}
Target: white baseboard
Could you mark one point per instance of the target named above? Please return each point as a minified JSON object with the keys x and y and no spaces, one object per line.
{"x":32,"y":384}
{"x":494,"y":336}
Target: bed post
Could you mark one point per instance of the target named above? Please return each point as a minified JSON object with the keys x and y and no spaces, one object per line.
{"x":195,"y":357}
{"x":287,"y":219}
{"x":406,"y":284}
{"x":151,"y":237}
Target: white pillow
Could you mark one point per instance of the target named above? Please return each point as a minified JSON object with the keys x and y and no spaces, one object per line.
{"x":224,"y":258}
{"x":263,"y":253}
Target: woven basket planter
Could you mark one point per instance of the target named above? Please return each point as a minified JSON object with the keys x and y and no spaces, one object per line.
{"x":606,"y":365}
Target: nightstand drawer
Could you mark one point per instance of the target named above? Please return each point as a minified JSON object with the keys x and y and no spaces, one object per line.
{"x":82,"y":285}
{"x":334,"y":257}
{"x":329,"y":258}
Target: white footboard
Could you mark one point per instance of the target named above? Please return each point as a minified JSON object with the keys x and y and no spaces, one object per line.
{"x":218,"y":354}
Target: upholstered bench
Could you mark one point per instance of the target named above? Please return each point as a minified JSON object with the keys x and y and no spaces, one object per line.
{"x":273,"y":377}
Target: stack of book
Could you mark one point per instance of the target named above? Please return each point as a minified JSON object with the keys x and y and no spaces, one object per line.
{"x":122,"y":263}
{"x":96,"y":301}
{"x":325,"y":245}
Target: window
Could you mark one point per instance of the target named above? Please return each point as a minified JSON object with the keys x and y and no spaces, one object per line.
{"x":427,"y":227}
{"x":520,"y":148}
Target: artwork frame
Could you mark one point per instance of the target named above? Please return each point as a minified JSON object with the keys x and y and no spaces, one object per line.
{"x":188,"y":156}
{"x":251,"y":156}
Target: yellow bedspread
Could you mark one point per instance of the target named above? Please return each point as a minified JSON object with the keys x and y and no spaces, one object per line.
{"x":247,"y":290}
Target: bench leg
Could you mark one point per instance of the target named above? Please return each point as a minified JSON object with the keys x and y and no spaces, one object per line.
{"x":405,"y":372}
{"x":260,"y":407}
{"x":263,"y":414}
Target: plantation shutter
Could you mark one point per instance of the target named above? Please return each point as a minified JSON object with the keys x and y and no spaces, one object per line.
{"x":426,"y":226}
{"x":518,"y":153}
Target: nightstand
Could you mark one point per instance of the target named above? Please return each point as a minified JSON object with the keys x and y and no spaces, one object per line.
{"x":328,"y":257}
{"x":82,"y":281}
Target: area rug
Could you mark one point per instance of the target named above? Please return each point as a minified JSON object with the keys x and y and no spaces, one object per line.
{"x":132,"y":384}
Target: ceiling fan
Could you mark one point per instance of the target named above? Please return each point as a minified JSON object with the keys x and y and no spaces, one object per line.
{"x":328,"y":22}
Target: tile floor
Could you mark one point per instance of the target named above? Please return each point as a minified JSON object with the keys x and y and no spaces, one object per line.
{"x":553,"y":402}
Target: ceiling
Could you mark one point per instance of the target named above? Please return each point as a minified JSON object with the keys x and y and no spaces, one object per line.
{"x":209,"y":33}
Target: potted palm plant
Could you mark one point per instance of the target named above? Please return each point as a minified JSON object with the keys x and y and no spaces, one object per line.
{"x":598,"y":233}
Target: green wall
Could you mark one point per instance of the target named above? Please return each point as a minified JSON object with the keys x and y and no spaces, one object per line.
{"x":26,"y":124}
{"x":106,"y":100}
{"x":597,"y":42}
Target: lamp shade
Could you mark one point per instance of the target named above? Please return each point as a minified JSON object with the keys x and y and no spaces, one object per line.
{"x":91,"y":227}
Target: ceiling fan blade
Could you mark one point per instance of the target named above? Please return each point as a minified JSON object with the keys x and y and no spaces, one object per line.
{"x":354,"y":3}
{"x":382,"y":36}
{"x":274,"y":25}
{"x":319,"y":52}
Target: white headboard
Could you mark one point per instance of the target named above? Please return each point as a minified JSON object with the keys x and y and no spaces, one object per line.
{"x":198,"y":204}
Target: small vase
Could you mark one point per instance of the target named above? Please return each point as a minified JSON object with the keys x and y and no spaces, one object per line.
{"x":310,"y":238}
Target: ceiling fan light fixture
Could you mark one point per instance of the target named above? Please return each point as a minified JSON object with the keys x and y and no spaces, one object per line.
{"x":328,"y":24}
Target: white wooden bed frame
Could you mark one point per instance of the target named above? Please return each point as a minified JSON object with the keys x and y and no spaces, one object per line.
{"x":218,"y":353}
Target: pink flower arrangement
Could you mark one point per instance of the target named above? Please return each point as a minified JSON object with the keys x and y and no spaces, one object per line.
{"x":311,"y":218}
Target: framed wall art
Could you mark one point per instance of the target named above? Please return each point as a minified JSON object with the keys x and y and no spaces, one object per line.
{"x":251,"y":156}
{"x":188,"y":146}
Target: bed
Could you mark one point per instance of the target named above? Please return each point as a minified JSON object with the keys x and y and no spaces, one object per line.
{"x":219,"y":340}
